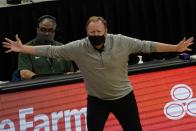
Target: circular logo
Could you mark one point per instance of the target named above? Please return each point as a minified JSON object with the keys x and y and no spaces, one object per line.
{"x":191,"y":107}
{"x":181,"y":92}
{"x":174,"y":110}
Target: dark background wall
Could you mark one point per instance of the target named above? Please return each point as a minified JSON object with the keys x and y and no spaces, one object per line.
{"x":157,"y":20}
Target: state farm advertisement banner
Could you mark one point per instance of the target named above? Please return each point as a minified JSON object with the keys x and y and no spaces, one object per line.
{"x":166,"y":101}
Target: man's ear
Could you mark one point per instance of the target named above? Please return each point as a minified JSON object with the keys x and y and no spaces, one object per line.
{"x":37,"y":29}
{"x":106,"y":30}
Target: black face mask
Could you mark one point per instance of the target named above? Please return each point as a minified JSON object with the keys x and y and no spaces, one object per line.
{"x":96,"y":40}
{"x":45,"y":39}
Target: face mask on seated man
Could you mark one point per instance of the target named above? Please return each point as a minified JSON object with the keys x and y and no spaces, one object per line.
{"x":45,"y":36}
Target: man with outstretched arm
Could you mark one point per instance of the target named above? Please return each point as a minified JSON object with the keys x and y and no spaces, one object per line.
{"x":103,"y":61}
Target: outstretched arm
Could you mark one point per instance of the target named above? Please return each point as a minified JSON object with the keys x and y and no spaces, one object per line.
{"x":17,"y":46}
{"x":182,"y":46}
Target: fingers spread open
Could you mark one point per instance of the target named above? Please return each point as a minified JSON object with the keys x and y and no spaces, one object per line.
{"x":6,"y":44}
{"x":17,"y":38}
{"x":8,"y":51}
{"x":8,"y":40}
{"x":190,"y":39}
{"x":188,"y":49}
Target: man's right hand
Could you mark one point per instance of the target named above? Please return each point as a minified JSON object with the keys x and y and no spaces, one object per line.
{"x":17,"y":46}
{"x":13,"y":46}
